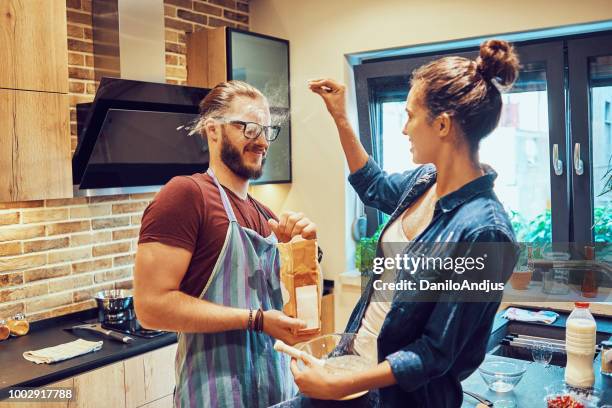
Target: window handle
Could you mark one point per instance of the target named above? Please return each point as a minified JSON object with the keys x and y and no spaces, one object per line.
{"x":556,"y":162}
{"x":578,"y":165}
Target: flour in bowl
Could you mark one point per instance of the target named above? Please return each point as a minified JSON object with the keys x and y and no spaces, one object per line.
{"x":349,"y":364}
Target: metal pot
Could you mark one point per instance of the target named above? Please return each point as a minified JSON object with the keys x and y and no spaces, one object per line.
{"x":115,"y":305}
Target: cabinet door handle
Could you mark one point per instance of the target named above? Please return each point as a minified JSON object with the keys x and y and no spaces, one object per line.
{"x":578,"y":164}
{"x":556,"y":162}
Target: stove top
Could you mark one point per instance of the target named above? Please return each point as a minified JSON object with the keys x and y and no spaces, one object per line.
{"x":132,"y":326}
{"x":129,"y":326}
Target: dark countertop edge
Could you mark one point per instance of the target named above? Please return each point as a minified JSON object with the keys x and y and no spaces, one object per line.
{"x":62,"y":374}
{"x":152,"y":344}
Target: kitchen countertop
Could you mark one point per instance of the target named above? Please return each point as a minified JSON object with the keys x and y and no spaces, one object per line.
{"x":529,"y":393}
{"x":23,"y":373}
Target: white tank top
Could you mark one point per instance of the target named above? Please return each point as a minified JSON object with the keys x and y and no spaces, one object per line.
{"x":376,"y":311}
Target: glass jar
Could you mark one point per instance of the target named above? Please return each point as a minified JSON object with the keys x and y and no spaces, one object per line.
{"x":606,"y":358}
{"x":555,"y":281}
{"x":18,"y":325}
{"x":589,"y":280}
{"x":5,"y":332}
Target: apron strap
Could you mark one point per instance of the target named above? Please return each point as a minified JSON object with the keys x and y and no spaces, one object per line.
{"x":224,"y":199}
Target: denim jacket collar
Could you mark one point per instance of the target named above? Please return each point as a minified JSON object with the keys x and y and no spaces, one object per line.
{"x":452,"y":200}
{"x":483,"y":183}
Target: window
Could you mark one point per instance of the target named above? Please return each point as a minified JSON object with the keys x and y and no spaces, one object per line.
{"x":600,"y":80}
{"x":547,"y":200}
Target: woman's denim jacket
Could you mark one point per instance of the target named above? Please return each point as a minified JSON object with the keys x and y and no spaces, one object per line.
{"x":433,"y":345}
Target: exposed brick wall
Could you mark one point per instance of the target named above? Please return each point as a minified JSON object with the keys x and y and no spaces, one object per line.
{"x":55,"y":254}
{"x":188,"y":15}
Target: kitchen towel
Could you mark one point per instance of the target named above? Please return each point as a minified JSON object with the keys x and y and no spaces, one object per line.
{"x":522,"y":315}
{"x":62,"y":352}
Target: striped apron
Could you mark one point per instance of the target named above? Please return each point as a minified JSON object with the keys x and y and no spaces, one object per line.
{"x":236,"y":368}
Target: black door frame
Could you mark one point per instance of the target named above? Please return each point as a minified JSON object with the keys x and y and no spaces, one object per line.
{"x":579,"y":52}
{"x":552,"y":55}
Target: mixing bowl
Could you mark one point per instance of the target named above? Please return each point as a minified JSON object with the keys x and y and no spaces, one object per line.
{"x":343,"y":353}
{"x":501,"y":375}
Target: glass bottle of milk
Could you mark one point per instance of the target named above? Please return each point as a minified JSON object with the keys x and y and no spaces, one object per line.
{"x":580,"y":332}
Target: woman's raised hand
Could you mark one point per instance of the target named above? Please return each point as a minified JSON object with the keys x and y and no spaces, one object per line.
{"x":333,"y":94}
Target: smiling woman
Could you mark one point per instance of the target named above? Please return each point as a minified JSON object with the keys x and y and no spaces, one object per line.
{"x":453,"y":104}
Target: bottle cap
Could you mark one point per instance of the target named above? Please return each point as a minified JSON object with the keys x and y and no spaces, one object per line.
{"x":582,"y":305}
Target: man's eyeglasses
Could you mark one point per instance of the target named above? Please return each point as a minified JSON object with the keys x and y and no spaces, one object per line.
{"x":252,"y":130}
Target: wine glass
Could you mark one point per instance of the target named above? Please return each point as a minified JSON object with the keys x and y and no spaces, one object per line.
{"x":542,"y":353}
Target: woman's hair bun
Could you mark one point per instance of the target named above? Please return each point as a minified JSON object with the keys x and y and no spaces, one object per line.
{"x":499,"y":61}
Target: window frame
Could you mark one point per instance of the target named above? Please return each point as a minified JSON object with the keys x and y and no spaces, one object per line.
{"x":579,"y":52}
{"x":567,"y":192}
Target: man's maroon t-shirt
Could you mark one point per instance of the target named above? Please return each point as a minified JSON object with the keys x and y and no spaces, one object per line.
{"x":188,"y":213}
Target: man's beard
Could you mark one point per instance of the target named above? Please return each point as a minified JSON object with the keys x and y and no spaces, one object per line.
{"x":232,"y":158}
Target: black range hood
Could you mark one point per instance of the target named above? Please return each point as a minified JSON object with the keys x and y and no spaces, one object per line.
{"x":137,"y":134}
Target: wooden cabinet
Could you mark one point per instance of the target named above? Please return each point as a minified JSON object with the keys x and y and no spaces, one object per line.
{"x":103,"y":387}
{"x":159,"y":379}
{"x":67,"y":383}
{"x":206,"y":57}
{"x":34,"y":146}
{"x":34,"y":51}
{"x":150,"y":377}
{"x":144,"y":381}
{"x":221,"y":54}
{"x":34,"y":111}
{"x":134,"y":382}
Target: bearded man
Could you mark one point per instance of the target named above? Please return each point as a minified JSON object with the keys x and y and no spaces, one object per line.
{"x":207,"y":265}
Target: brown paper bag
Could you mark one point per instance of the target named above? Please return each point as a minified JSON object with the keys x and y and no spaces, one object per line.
{"x":300,"y":277}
